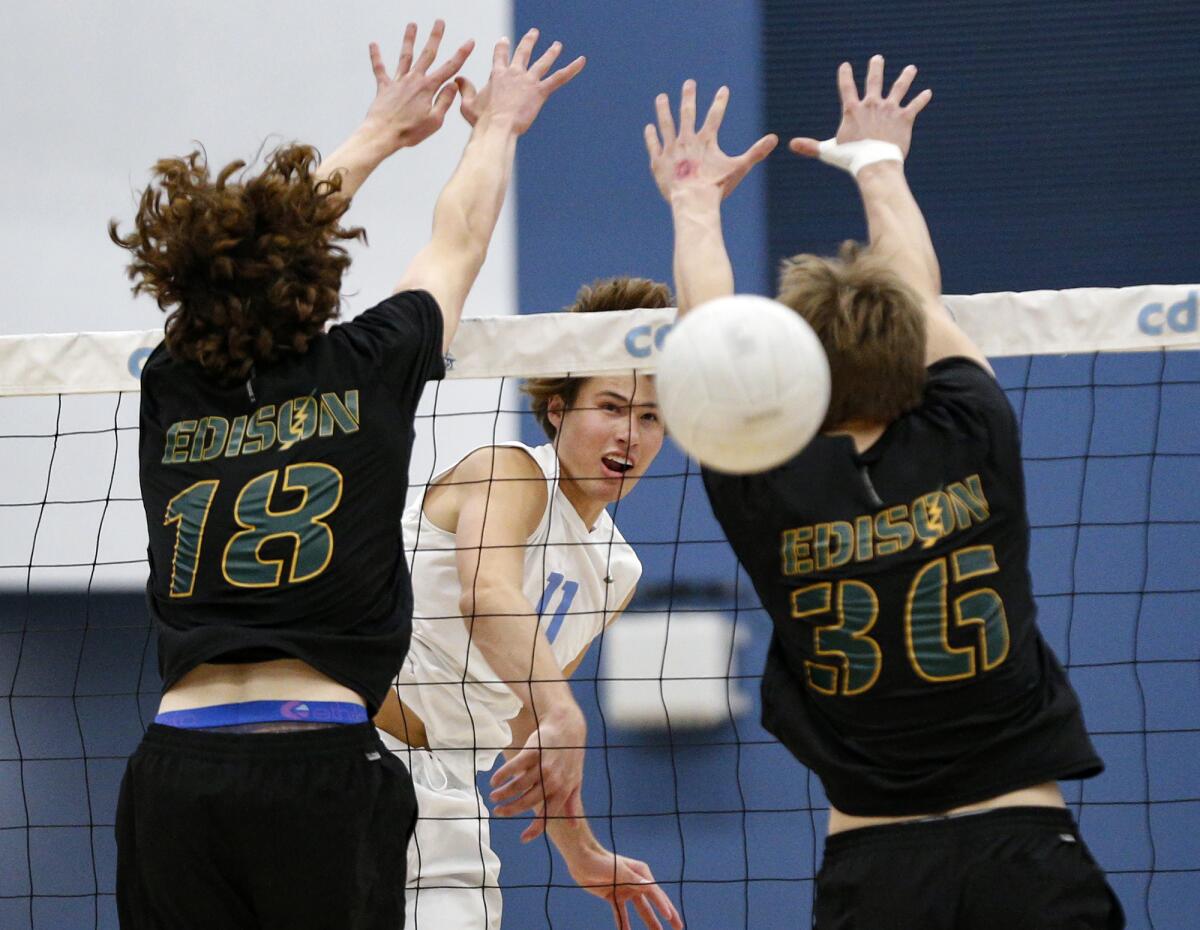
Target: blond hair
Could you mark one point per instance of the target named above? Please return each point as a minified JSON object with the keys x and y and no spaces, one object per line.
{"x":871,"y":326}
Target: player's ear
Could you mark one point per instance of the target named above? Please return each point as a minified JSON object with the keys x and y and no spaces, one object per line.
{"x":554,"y":411}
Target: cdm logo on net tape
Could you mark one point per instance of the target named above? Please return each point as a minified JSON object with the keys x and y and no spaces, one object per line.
{"x":137,"y":360}
{"x":644,"y":340}
{"x":1155,"y":319}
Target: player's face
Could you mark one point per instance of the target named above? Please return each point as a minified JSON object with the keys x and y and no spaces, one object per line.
{"x":607,"y":439}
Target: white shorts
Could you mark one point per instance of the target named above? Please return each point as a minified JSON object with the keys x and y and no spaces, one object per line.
{"x":453,"y":874}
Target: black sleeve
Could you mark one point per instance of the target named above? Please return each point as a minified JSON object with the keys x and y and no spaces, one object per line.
{"x":401,"y":338}
{"x":962,"y":397}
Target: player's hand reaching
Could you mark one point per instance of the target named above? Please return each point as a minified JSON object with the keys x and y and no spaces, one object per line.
{"x":689,"y":159}
{"x":872,"y":116}
{"x":411,"y":104}
{"x":546,"y":776}
{"x":516,"y":89}
{"x":622,"y":881}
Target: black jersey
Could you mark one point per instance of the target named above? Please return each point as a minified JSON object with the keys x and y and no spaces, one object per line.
{"x":274,"y":506}
{"x":906,"y":668}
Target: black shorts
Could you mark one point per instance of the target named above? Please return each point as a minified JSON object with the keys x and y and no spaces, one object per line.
{"x":1016,"y":868}
{"x":265,"y":830}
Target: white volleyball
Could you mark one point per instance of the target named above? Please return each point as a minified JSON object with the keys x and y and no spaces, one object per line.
{"x":743,"y":383}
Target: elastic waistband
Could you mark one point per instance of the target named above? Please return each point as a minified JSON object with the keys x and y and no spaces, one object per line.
{"x":317,"y":741}
{"x":243,"y":712}
{"x":940,"y":828}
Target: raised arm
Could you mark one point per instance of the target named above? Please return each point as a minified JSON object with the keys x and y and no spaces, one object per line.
{"x":694,"y":176}
{"x":469,"y":205}
{"x":871,"y":143}
{"x":408,"y":108}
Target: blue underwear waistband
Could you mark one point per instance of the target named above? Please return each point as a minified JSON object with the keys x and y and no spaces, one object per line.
{"x":228,"y":715}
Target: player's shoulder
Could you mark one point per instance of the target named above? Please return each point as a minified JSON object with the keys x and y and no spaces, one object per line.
{"x":500,"y":462}
{"x":964,"y":401}
{"x":407,"y":301}
{"x":960,"y":375}
{"x":962,"y":381}
{"x":961,"y":369}
{"x":508,"y":480}
{"x":405,"y":318}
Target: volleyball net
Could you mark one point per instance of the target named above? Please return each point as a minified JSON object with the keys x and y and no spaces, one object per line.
{"x":1106,"y":383}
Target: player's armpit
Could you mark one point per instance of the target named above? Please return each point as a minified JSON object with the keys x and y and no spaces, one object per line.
{"x":447,"y":270}
{"x":945,"y":339}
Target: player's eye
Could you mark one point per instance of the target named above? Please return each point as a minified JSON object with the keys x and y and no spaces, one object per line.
{"x":649,"y":417}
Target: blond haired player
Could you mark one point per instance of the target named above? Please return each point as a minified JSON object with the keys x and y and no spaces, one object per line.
{"x":906,"y":668}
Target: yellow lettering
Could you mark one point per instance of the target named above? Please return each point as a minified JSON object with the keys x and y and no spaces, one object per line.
{"x":932,"y":517}
{"x":833,"y":544}
{"x":179,"y":438}
{"x":342,"y":415}
{"x":297,"y":420}
{"x":260,"y":431}
{"x":969,"y":502}
{"x":210,"y":439}
{"x":797,"y":551}
{"x":236,"y":432}
{"x":893,"y":529}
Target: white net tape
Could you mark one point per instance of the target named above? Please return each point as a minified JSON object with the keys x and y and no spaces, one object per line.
{"x":1090,"y":319}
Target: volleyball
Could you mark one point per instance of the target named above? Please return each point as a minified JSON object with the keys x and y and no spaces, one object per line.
{"x":743,"y":383}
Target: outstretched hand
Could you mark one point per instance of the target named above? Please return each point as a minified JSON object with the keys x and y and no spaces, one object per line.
{"x":516,"y":89}
{"x":411,"y":105}
{"x":622,"y":881}
{"x":684,"y":158}
{"x":873,"y":116}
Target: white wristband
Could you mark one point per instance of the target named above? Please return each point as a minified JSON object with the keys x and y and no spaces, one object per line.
{"x":854,"y":156}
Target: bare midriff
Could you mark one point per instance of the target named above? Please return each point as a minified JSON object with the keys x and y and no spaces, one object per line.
{"x":1046,"y":794}
{"x":277,"y":680}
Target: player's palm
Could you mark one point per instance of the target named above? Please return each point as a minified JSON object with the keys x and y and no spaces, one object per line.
{"x":516,"y":91}
{"x":873,"y":116}
{"x":622,"y":881}
{"x":411,"y":105}
{"x":688,"y":158}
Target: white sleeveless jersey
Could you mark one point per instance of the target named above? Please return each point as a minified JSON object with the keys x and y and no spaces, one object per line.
{"x":575,"y":578}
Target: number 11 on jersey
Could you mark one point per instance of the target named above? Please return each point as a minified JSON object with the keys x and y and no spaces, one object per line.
{"x":569,"y":589}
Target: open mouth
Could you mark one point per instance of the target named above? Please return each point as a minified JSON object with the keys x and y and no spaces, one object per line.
{"x":619,"y":464}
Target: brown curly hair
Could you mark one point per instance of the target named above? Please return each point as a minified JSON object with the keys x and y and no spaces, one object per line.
{"x":605,"y":294}
{"x":248,"y":270}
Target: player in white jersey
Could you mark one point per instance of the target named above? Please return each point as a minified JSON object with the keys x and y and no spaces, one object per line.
{"x":517,"y":566}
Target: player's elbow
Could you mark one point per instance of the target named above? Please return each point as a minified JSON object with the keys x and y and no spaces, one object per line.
{"x":484,"y":600}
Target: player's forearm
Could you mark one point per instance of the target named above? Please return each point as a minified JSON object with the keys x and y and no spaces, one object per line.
{"x":469,"y":206}
{"x":573,"y":837}
{"x":355,"y":159}
{"x":701,"y":262}
{"x":506,"y":632}
{"x":897,"y":228}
